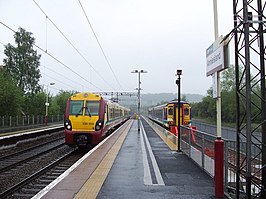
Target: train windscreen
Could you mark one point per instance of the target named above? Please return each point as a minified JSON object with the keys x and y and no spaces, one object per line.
{"x":170,"y":111}
{"x":92,"y":108}
{"x":76,"y":107}
{"x":186,"y":111}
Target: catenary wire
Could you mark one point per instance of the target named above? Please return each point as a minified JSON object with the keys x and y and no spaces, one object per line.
{"x":73,"y":46}
{"x":57,"y":60}
{"x":59,"y":81}
{"x":66,"y":66}
{"x":100,"y":45}
{"x":62,"y":76}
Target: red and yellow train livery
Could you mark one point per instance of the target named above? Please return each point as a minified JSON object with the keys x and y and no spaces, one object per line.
{"x":89,"y":118}
{"x":167,"y":114}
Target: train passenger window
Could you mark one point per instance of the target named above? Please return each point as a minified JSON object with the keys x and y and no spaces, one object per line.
{"x":76,"y":107}
{"x":92,"y":108}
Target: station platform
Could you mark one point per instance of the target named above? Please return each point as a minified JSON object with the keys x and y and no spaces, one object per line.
{"x":131,"y":164}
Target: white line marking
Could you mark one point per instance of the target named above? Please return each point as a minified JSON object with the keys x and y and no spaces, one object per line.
{"x":153,"y":160}
{"x":29,"y":131}
{"x":147,"y":172}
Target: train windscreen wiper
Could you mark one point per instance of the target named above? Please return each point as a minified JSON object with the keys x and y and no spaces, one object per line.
{"x":80,"y":111}
{"x":88,"y":110}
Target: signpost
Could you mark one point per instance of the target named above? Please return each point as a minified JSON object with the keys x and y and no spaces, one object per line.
{"x":217,"y":57}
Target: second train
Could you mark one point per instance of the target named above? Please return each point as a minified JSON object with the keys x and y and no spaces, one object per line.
{"x":167,"y":115}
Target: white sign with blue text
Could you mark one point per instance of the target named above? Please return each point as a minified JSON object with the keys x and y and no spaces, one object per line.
{"x":215,"y":57}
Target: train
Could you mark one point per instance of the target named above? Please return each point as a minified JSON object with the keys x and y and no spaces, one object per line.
{"x":167,"y":115}
{"x":89,"y":118}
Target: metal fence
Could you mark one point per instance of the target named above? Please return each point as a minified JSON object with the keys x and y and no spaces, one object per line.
{"x":199,"y":146}
{"x":15,"y":122}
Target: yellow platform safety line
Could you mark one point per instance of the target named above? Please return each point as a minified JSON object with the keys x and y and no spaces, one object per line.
{"x":93,"y":185}
{"x":170,"y":139}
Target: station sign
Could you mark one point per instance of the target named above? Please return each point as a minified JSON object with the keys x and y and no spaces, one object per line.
{"x":217,"y":57}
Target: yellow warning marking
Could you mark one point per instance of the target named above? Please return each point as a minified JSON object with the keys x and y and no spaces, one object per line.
{"x":170,"y":139}
{"x":93,"y":185}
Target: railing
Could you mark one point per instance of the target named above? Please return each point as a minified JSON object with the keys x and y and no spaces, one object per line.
{"x":199,"y":146}
{"x":8,"y":123}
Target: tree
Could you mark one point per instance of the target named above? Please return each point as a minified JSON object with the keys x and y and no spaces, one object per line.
{"x":22,"y":62}
{"x":184,"y":98}
{"x":228,"y":79}
{"x":58,"y":105}
{"x":11,"y":96}
{"x":34,"y":104}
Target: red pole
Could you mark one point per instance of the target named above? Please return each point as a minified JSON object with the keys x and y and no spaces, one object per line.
{"x":219,"y":168}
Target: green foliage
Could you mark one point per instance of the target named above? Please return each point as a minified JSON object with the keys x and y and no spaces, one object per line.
{"x":19,"y":88}
{"x":228,"y":79}
{"x":11,"y":96}
{"x":22,"y":62}
{"x":207,"y":108}
{"x":34,"y":104}
{"x":54,"y":108}
{"x":228,"y":106}
{"x":58,"y":103}
{"x":184,"y":98}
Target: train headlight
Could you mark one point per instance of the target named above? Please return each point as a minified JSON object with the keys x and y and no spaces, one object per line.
{"x":68,"y":125}
{"x":99,"y":125}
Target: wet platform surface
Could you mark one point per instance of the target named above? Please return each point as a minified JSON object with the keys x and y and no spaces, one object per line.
{"x":135,"y":176}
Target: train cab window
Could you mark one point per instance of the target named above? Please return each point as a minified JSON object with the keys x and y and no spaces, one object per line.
{"x":186,"y":111}
{"x":92,"y":108}
{"x":76,"y":107}
{"x":170,"y":111}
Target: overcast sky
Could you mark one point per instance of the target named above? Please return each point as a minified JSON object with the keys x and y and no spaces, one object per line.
{"x":158,"y":36}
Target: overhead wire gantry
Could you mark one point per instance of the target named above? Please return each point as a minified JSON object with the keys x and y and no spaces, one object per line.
{"x":248,"y":32}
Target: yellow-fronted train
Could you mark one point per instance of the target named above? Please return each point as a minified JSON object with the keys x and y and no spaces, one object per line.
{"x":89,"y":118}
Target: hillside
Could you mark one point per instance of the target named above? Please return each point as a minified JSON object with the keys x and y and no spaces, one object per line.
{"x":159,"y":98}
{"x":148,"y":100}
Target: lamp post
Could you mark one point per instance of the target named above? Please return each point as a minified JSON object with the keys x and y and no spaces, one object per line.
{"x":139,"y":71}
{"x":47,"y":103}
{"x":178,"y":83}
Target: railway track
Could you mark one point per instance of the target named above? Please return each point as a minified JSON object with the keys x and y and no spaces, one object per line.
{"x":18,"y":158}
{"x":28,"y":165}
{"x":39,"y":179}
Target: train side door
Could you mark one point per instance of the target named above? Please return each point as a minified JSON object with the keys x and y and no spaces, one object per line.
{"x":106,"y":114}
{"x":181,"y":115}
